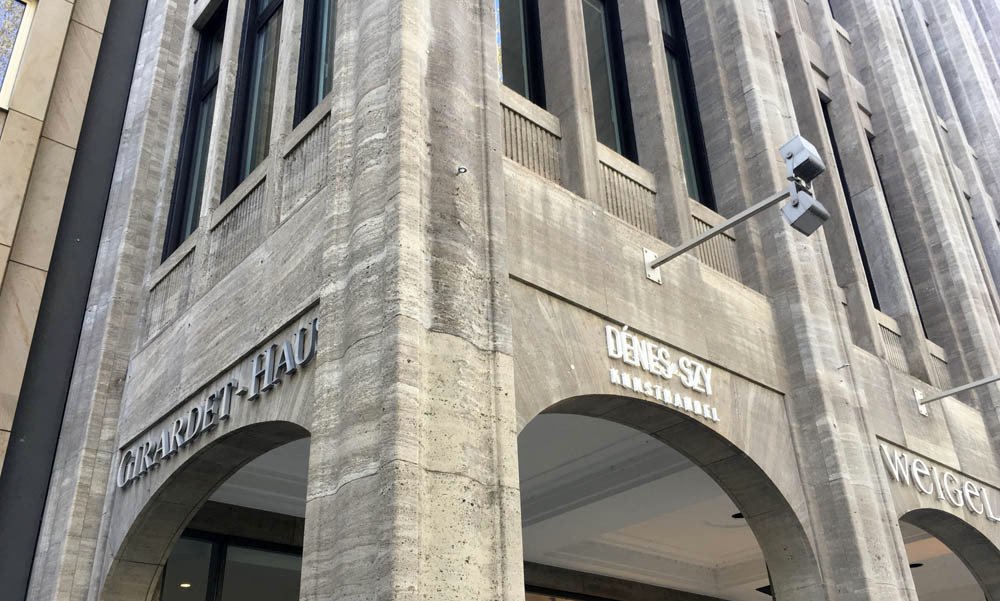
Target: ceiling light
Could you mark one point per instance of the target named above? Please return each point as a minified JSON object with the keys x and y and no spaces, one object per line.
{"x":185,"y":585}
{"x":737,"y":516}
{"x":916,"y":565}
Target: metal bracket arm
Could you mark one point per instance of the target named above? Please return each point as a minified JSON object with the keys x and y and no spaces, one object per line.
{"x":922,"y":402}
{"x":653,"y":262}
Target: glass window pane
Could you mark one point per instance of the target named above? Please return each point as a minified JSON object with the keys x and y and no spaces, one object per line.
{"x":263,"y":71}
{"x":316,"y":56}
{"x":683,"y":129}
{"x":11,"y":13}
{"x":259,"y":575}
{"x":328,"y":38}
{"x":199,"y":159}
{"x":513,"y":47}
{"x":601,"y":75}
{"x":666,"y":24}
{"x":187,"y":572}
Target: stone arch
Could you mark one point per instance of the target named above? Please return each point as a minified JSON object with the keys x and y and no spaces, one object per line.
{"x":137,"y":562}
{"x":973,"y":548}
{"x":790,"y":557}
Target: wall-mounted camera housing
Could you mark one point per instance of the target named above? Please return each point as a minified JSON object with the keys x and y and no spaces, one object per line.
{"x":804,"y":212}
{"x":802,"y":159}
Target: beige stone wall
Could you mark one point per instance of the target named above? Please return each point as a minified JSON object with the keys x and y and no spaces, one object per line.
{"x":38,"y":137}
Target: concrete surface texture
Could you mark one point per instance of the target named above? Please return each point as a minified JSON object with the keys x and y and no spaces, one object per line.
{"x":460,"y":294}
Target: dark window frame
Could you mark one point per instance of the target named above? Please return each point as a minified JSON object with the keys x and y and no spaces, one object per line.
{"x":619,"y":79}
{"x":201,"y":87}
{"x":253,"y":23}
{"x":306,"y":88}
{"x":220,"y":547}
{"x":675,"y":43}
{"x":533,"y":47}
{"x":852,"y":215}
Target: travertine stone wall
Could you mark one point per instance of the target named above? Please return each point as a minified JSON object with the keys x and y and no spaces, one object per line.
{"x":951,"y":290}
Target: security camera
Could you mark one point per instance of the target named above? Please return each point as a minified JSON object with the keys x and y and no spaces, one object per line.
{"x":804,"y":212}
{"x":802,"y":159}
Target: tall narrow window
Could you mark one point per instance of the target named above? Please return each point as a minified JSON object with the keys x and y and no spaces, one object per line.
{"x":693,"y":154}
{"x":319,"y":32}
{"x":190,"y":178}
{"x":850,"y":204}
{"x":253,"y":104}
{"x":521,"y":48}
{"x":909,"y":280}
{"x":609,"y":86}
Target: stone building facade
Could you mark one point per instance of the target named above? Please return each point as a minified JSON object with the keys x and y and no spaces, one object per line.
{"x":47,"y":55}
{"x":403,"y":345}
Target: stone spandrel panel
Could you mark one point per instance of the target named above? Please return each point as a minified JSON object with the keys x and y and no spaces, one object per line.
{"x":239,"y":232}
{"x":305,"y":169}
{"x":562,"y":351}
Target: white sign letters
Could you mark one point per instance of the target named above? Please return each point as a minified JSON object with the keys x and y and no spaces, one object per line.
{"x":940,"y":483}
{"x":660,"y":370}
{"x":267,"y":368}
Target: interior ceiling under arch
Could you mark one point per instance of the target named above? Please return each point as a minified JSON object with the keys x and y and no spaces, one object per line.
{"x":603,"y":498}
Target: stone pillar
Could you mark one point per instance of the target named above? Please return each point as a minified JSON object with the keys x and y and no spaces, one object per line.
{"x":732,"y":52}
{"x":949,"y":285}
{"x":413,"y":481}
{"x":989,"y":15}
{"x":568,"y":95}
{"x":985,"y":39}
{"x":983,"y":213}
{"x":654,"y":117}
{"x":874,"y":222}
{"x":970,"y":84}
{"x":861,"y":559}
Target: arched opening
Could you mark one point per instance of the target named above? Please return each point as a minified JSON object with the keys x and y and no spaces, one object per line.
{"x":227,"y":525}
{"x":949,"y":559}
{"x":626,"y":500}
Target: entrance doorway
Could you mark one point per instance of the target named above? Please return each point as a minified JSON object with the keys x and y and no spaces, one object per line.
{"x":938,"y":574}
{"x":610,"y":512}
{"x":950,"y":560}
{"x":245,"y":543}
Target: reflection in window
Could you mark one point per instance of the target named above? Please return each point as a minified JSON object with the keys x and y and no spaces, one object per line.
{"x":693,"y":155}
{"x":190,"y":182}
{"x":520,"y":48}
{"x":187,"y":575}
{"x":607,"y":76}
{"x":253,"y":105}
{"x":319,"y":32}
{"x":11,"y":16}
{"x":209,"y":567}
{"x":260,"y":575}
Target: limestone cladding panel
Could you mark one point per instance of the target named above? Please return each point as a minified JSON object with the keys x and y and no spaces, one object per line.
{"x":571,"y":248}
{"x":64,"y":116}
{"x":17,"y":145}
{"x":43,"y":203}
{"x":19,"y":299}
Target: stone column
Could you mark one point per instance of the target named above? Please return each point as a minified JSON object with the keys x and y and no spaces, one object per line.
{"x":969,"y":81}
{"x":568,"y":95}
{"x":949,"y":285}
{"x":413,"y":481}
{"x":854,"y":519}
{"x":989,"y":15}
{"x":983,"y":213}
{"x":654,"y":117}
